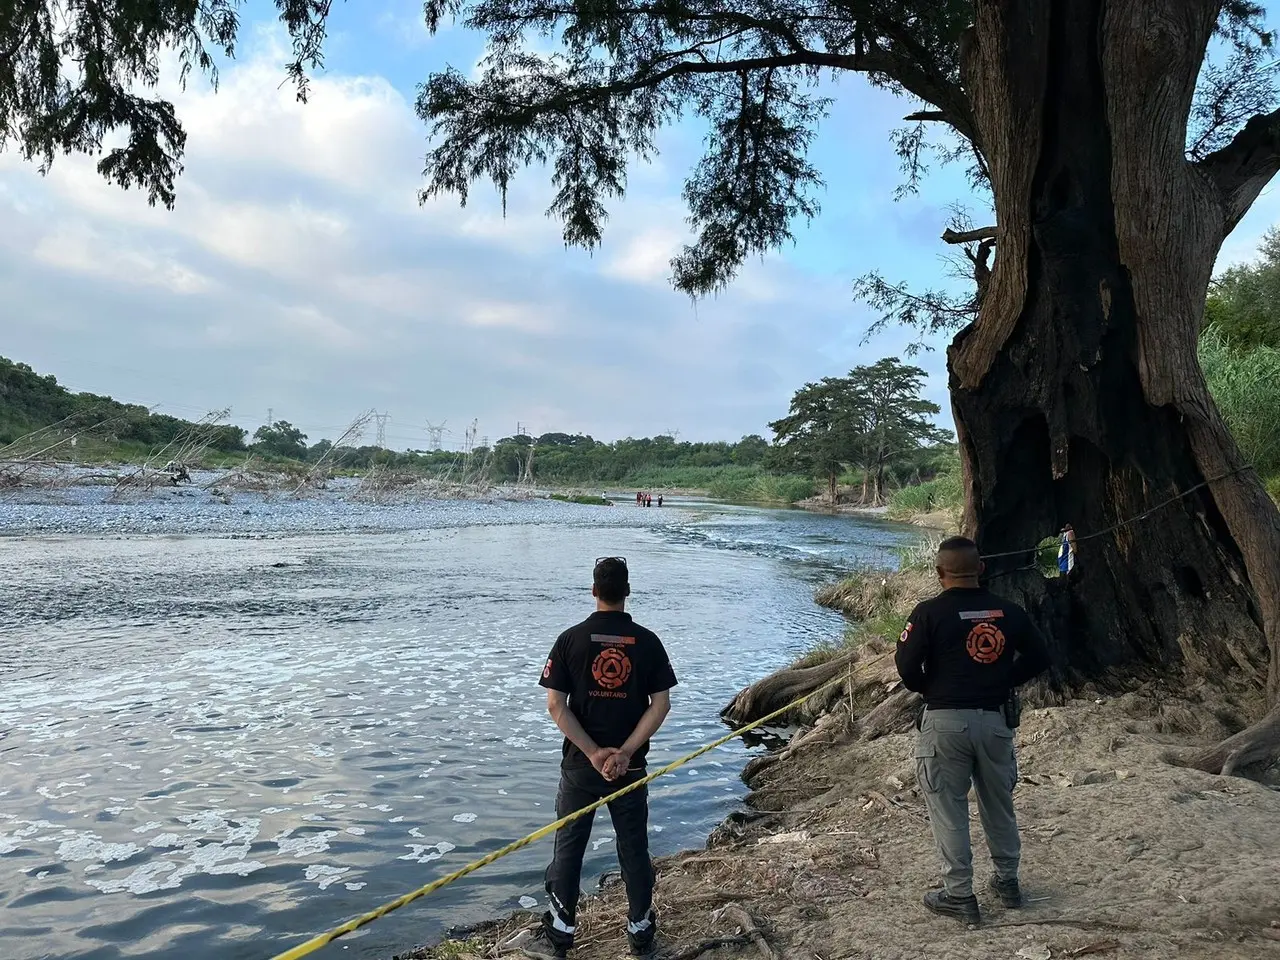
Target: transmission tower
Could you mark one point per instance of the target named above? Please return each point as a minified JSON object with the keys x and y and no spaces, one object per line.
{"x":381,"y":441}
{"x":436,"y":433}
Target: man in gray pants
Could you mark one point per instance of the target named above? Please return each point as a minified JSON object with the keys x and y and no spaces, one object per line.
{"x":965,"y":651}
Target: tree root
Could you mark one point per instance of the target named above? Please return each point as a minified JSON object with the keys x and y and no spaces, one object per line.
{"x":822,"y":734}
{"x":750,"y":928}
{"x":892,"y":715}
{"x":779,"y":689}
{"x":1255,"y":744}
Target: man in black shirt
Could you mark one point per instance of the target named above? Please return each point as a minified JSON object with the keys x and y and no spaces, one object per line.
{"x":608,"y":684}
{"x":965,"y":651}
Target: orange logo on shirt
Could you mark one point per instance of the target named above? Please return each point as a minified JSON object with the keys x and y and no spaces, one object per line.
{"x":611,"y":669}
{"x":546,"y":671}
{"x":985,"y":643}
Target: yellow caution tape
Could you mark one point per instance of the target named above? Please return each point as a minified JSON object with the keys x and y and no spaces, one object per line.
{"x":315,"y":943}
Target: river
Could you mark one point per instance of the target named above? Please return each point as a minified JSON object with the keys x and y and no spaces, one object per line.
{"x":218,"y":738}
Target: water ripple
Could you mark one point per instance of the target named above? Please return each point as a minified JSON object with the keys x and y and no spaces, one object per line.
{"x":214,"y":746}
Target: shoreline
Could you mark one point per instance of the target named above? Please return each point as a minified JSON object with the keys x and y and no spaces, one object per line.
{"x":1124,"y":855}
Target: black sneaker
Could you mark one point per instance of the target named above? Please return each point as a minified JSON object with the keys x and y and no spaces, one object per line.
{"x":645,"y":942}
{"x":1009,"y":892}
{"x":964,"y":909}
{"x":546,"y":945}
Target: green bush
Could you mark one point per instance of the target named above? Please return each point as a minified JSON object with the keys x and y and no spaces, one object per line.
{"x":917,"y":498}
{"x":588,"y":499}
{"x":944,"y":492}
{"x":1246,"y":387}
{"x":1273,"y":487}
{"x":787,"y":488}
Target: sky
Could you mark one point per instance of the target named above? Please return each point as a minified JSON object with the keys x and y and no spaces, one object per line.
{"x":298,"y":276}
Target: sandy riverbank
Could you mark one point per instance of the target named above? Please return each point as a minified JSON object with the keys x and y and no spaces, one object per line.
{"x":1125,"y":855}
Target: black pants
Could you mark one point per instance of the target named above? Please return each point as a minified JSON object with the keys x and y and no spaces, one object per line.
{"x":580,"y":786}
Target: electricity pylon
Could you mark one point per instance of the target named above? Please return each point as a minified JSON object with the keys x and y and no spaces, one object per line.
{"x":436,"y":433}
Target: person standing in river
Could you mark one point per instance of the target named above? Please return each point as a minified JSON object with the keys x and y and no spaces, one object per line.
{"x":608,"y":683}
{"x":965,"y":651}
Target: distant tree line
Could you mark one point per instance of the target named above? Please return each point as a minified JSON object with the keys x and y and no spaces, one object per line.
{"x":29,"y":402}
{"x":549,"y":458}
{"x":872,"y":423}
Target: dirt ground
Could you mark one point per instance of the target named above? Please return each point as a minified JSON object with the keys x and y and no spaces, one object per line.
{"x":1124,"y":856}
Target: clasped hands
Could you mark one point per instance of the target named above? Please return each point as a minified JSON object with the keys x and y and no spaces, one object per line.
{"x":610,"y":762}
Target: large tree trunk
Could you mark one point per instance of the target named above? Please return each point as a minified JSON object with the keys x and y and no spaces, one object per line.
{"x":1077,"y":393}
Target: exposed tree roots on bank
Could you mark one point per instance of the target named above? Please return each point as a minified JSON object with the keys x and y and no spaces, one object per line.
{"x":1126,"y":855}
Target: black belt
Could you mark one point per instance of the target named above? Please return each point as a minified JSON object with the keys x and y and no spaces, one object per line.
{"x":986,"y":709}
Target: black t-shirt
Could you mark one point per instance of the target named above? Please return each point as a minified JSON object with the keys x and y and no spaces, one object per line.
{"x":967,"y":648}
{"x":609,"y":666}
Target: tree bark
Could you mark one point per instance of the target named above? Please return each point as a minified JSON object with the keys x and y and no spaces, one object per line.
{"x":1077,"y":393}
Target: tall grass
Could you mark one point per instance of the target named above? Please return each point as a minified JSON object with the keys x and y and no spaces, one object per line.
{"x":768,"y":488}
{"x":943,"y":492}
{"x":1246,"y":387}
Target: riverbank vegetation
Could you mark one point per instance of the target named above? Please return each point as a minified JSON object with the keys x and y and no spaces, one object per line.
{"x":42,"y":425}
{"x":873,"y":420}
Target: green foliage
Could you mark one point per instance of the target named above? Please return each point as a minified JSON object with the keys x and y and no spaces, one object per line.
{"x":1047,"y":556}
{"x":757,"y":487}
{"x":584,"y":498}
{"x":1246,"y":387}
{"x":281,"y":439}
{"x":1243,"y":306}
{"x":945,"y":491}
{"x":880,"y":601}
{"x":1273,"y":487}
{"x":29,"y":402}
{"x":76,"y":75}
{"x":874,"y":417}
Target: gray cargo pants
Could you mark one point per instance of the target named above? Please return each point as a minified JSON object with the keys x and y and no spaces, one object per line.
{"x":956,"y":748}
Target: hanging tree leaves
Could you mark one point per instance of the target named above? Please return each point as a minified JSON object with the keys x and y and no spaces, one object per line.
{"x":1117,"y":163}
{"x":73,"y":76}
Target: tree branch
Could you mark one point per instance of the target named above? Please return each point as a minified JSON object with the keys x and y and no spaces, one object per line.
{"x":1245,"y":165}
{"x":936,"y":115}
{"x":969,"y":236}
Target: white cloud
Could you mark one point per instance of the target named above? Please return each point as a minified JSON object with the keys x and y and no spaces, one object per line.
{"x":523,"y":317}
{"x":299,"y":272}
{"x":646,"y":257}
{"x":75,"y":246}
{"x":315,"y":325}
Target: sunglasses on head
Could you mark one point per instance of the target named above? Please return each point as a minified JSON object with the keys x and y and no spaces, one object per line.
{"x":621,"y":560}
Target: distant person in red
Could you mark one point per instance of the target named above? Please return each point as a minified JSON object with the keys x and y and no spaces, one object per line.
{"x":608,"y":683}
{"x":639,"y":499}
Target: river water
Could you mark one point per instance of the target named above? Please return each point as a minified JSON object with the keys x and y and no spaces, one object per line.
{"x":213,"y":745}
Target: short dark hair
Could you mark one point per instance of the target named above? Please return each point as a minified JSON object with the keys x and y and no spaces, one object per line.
{"x":611,"y":580}
{"x":958,"y":557}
